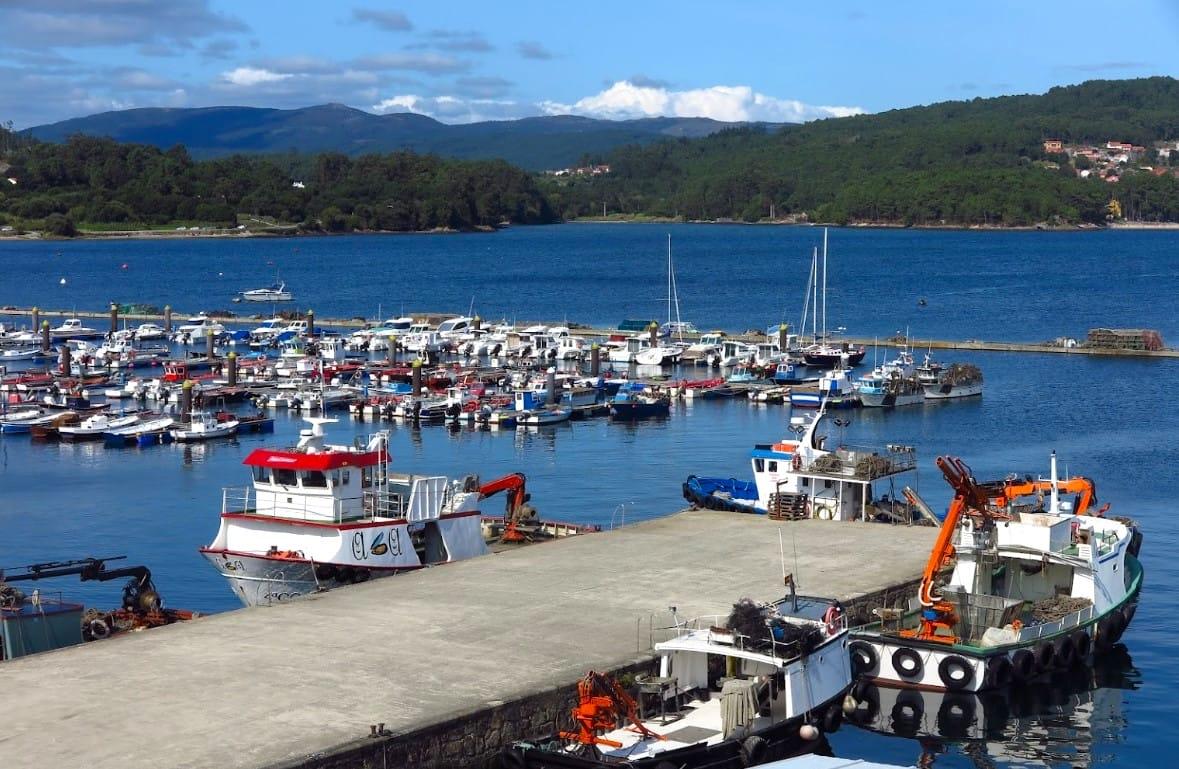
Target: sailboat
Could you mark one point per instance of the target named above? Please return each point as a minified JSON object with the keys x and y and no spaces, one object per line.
{"x":822,"y":353}
{"x":668,"y":353}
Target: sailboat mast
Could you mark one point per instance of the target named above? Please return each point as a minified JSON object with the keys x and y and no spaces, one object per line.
{"x":815,"y":297}
{"x":669,"y":277}
{"x":824,"y":282}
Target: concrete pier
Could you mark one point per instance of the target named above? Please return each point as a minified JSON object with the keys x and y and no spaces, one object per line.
{"x":442,"y":657}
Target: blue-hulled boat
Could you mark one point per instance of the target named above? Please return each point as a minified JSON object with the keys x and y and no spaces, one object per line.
{"x":632,"y":403}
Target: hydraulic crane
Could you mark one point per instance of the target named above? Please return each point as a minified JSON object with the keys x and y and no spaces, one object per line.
{"x":516,"y":510}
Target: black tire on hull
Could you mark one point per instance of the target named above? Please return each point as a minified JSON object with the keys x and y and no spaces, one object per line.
{"x":1064,"y":651}
{"x":1081,"y":645}
{"x":863,"y":658}
{"x":998,"y":673}
{"x":955,"y":672}
{"x":833,"y":719}
{"x":753,"y":750}
{"x":907,"y":663}
{"x":867,"y":707}
{"x":1045,"y":656}
{"x":1023,"y":665}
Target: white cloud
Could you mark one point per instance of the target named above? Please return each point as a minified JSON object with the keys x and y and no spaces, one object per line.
{"x":251,"y":76}
{"x":454,"y":109}
{"x":741,"y":103}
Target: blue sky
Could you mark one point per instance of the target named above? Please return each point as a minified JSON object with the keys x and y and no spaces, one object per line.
{"x":461,"y":61}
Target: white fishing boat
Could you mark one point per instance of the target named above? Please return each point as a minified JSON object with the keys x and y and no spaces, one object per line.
{"x":800,"y":477}
{"x":763,"y":683}
{"x":17,"y":354}
{"x":548,"y":415}
{"x":203,"y":426}
{"x":93,"y":427}
{"x":197,"y":327}
{"x":276,"y":292}
{"x":320,"y":515}
{"x":20,"y":419}
{"x":1039,"y":584}
{"x":892,"y":383}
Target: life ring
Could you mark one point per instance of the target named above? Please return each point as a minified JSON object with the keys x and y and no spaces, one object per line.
{"x":1023,"y":665}
{"x":956,"y":715}
{"x":956,"y":673}
{"x":753,"y":750}
{"x":907,"y":663}
{"x":1081,"y":644}
{"x":99,"y":629}
{"x":863,"y":658}
{"x":1045,"y":656}
{"x":1064,"y":651}
{"x":907,"y":712}
{"x":998,"y":672}
{"x":833,"y":618}
{"x":796,"y":462}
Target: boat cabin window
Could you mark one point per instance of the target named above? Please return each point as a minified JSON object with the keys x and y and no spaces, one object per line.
{"x":827,"y":484}
{"x":806,"y":482}
{"x":284,"y":477}
{"x":335,"y":477}
{"x":773,"y":465}
{"x":262,"y":474}
{"x":346,"y":477}
{"x":314,"y":479}
{"x":759,"y":464}
{"x":366,"y":477}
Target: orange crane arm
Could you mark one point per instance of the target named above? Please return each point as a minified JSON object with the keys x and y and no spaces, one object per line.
{"x":514,"y":484}
{"x":1078,"y":485}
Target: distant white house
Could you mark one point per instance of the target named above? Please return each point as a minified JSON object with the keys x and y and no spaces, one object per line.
{"x":299,"y":185}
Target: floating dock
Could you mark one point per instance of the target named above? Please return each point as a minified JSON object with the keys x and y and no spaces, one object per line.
{"x":433,"y":668}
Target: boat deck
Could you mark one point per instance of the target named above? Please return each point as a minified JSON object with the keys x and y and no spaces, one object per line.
{"x":270,"y":685}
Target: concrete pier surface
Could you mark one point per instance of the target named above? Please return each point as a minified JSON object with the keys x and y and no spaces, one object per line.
{"x":283,"y":684}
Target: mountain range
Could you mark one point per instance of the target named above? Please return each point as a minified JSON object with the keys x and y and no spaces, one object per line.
{"x":534,"y":143}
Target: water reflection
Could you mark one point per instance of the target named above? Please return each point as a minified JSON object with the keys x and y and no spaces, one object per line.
{"x":1063,"y":720}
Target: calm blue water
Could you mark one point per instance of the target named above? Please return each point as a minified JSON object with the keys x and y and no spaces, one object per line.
{"x":1113,"y":420}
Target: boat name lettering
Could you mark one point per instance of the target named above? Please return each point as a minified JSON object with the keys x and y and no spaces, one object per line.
{"x":358,"y":550}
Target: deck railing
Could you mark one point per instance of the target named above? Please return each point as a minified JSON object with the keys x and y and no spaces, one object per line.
{"x":242,"y":500}
{"x":1073,"y":619}
{"x":863,"y":463}
{"x":711,"y":629}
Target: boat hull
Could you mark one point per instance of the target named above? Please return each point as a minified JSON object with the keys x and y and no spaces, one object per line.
{"x":887,"y":400}
{"x":632,"y":411}
{"x":947,"y":392}
{"x":261,"y":581}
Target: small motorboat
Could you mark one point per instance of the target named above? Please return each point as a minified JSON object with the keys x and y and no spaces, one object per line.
{"x":19,"y":353}
{"x":92,"y":428}
{"x":631,"y":405}
{"x":273,"y":293}
{"x":149,"y":331}
{"x":19,"y":421}
{"x":203,"y":426}
{"x":550,"y":415}
{"x":144,"y":431}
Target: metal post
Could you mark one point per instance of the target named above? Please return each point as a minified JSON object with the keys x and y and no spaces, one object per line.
{"x":231,"y":363}
{"x":44,"y":336}
{"x":551,"y":383}
{"x":209,"y":343}
{"x":595,"y":359}
{"x":476,"y":323}
{"x":114,"y":317}
{"x":36,"y":319}
{"x":783,"y":336}
{"x":654,"y":330}
{"x":311,"y":323}
{"x":168,"y":318}
{"x":186,"y":400}
{"x":66,"y":362}
{"x":417,"y":378}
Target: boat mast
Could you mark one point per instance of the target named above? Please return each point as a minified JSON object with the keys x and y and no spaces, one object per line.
{"x":1055,"y":504}
{"x":815,"y":296}
{"x":824,"y":283}
{"x":669,"y":277}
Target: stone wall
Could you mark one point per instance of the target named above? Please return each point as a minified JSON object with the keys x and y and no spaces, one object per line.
{"x":465,"y":741}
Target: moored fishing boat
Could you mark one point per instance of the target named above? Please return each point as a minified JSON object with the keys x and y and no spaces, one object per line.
{"x":1035,"y":587}
{"x":203,"y":426}
{"x":320,"y":515}
{"x":30,"y":624}
{"x":834,"y":390}
{"x":958,"y":380}
{"x":763,"y":683}
{"x":633,"y":403}
{"x":799,"y":477}
{"x":93,"y":427}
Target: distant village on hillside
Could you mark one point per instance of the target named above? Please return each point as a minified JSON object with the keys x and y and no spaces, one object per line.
{"x":1112,"y":159}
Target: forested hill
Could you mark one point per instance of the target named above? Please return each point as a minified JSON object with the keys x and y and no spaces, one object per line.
{"x":99,"y":183}
{"x":979,"y":161}
{"x":533,"y":143}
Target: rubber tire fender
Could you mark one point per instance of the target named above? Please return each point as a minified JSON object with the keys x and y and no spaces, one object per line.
{"x":1065,"y":652}
{"x":945,"y":672}
{"x":863,"y":658}
{"x":99,"y":629}
{"x":1023,"y":665}
{"x":753,"y":750}
{"x":1045,"y":656}
{"x":868,"y":696}
{"x":1081,"y":644}
{"x":956,"y":715}
{"x":998,"y":672}
{"x":512,"y":758}
{"x":907,"y":713}
{"x":916,"y":666}
{"x":833,"y":719}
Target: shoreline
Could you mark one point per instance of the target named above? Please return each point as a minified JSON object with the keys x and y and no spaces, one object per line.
{"x":292,"y":232}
